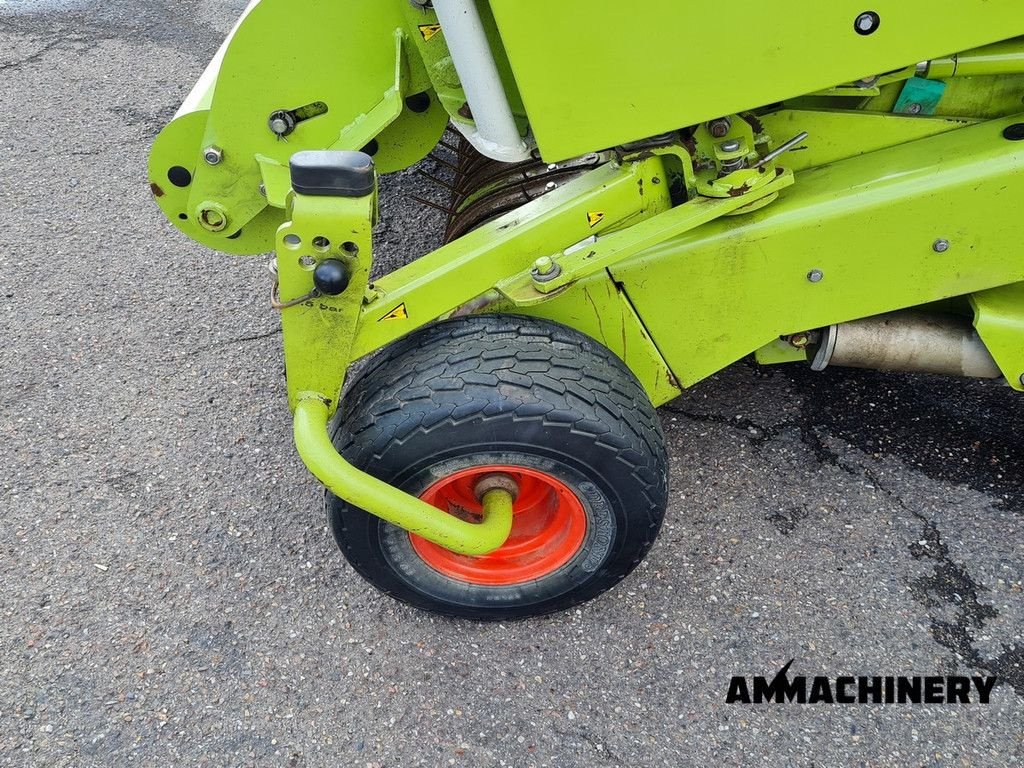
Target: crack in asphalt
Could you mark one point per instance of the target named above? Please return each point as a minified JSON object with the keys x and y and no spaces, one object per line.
{"x":228,"y":343}
{"x":32,"y":57}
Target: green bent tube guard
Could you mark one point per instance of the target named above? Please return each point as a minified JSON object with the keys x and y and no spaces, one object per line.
{"x":389,"y":503}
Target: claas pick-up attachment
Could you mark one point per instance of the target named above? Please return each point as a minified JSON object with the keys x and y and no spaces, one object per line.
{"x":621,"y":222}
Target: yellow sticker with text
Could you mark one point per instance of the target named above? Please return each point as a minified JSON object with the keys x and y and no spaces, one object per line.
{"x":398,"y":313}
{"x":429,"y":31}
{"x":594,"y":218}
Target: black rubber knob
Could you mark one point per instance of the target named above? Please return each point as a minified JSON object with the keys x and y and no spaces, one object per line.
{"x":331,"y":277}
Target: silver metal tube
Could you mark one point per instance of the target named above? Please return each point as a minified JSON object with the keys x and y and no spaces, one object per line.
{"x":910,"y":341}
{"x":496,"y":135}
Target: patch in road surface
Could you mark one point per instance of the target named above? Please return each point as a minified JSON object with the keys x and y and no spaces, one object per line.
{"x":928,"y":424}
{"x":951,"y":596}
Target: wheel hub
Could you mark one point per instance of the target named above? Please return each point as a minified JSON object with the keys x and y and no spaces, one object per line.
{"x":548,"y":528}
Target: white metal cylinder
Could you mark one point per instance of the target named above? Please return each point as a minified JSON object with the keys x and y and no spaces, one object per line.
{"x":908,"y":341}
{"x":496,"y":135}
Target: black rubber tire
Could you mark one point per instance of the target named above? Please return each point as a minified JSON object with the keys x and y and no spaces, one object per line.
{"x":500,"y":389}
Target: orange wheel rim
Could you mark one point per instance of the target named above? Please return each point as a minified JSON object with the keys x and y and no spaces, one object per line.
{"x":549,"y":526}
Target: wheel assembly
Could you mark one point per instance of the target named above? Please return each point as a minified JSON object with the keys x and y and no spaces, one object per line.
{"x":518,"y":401}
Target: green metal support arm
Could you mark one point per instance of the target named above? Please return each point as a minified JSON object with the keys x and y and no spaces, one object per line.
{"x":389,"y":503}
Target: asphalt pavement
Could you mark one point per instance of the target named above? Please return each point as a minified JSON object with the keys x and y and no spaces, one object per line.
{"x":171,"y":593}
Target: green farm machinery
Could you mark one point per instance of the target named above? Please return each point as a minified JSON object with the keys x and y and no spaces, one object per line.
{"x":641,"y":196}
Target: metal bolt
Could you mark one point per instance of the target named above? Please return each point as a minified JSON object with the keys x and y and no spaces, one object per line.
{"x":720,"y":128}
{"x":815,"y":275}
{"x":281,"y":123}
{"x":263,"y":190}
{"x":544,"y":265}
{"x":1022,"y":378}
{"x":212,"y":220}
{"x":545,"y":270}
{"x":733,"y":145}
{"x":914,"y":109}
{"x":800,"y":340}
{"x":213,"y":155}
{"x":867,"y":23}
{"x":940,"y":246}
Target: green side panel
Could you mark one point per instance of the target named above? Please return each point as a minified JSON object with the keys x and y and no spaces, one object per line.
{"x":999,"y":320}
{"x":626,"y":71}
{"x":868,"y":224}
{"x":598,"y":308}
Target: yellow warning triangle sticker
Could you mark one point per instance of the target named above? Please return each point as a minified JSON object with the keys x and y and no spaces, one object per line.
{"x":398,"y":313}
{"x":429,"y":30}
{"x":594,"y":218}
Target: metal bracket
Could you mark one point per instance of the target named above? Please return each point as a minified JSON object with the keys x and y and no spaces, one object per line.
{"x":575,"y":264}
{"x":999,"y":320}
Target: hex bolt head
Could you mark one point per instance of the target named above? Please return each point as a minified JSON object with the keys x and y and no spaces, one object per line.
{"x":213,"y":155}
{"x":720,"y":128}
{"x":940,"y":246}
{"x":1022,"y":378}
{"x":867,"y":23}
{"x":815,"y":276}
{"x":545,"y":269}
{"x":914,"y":109}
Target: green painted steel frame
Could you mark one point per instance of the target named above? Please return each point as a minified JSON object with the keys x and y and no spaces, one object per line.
{"x":868,"y":224}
